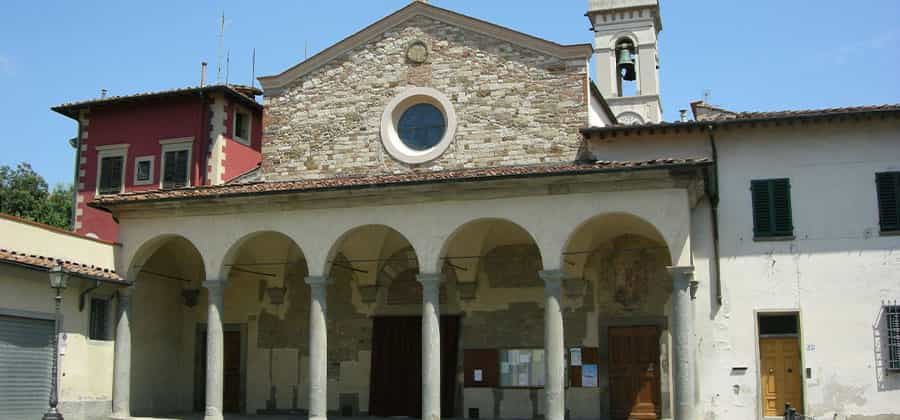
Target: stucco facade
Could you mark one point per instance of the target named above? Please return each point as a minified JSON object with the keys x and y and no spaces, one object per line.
{"x":138,"y":127}
{"x":85,"y":364}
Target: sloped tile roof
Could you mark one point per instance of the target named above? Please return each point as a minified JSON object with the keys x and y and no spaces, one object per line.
{"x":239,"y":91}
{"x":413,"y":178}
{"x":731,"y":115}
{"x":719,"y":117}
{"x":78,"y":269}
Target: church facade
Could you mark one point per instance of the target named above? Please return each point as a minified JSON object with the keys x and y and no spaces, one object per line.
{"x":452,"y":220}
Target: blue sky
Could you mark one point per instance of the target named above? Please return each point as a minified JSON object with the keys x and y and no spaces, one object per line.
{"x":751,"y":55}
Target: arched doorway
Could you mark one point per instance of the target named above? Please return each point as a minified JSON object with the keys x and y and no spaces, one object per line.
{"x":495,"y":266}
{"x":168,"y":273}
{"x":622,"y":261}
{"x":265,"y":319}
{"x":375,"y":292}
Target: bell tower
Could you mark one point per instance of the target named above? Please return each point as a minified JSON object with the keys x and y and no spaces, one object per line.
{"x":625,"y":45}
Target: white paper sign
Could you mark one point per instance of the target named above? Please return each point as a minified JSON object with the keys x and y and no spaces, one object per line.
{"x":575,"y":356}
{"x":524,"y":358}
{"x":523,"y":378}
{"x":478,"y":375}
{"x":589,"y":376}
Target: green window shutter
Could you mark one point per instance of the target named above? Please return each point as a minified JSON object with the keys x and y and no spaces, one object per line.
{"x":181,"y":168}
{"x":762,"y":208}
{"x":175,"y":172}
{"x":772,"y":214}
{"x":111,"y":175}
{"x":168,"y":169}
{"x":888,"y":186}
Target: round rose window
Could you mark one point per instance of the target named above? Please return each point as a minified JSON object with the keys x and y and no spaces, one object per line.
{"x":418,"y":125}
{"x":422,"y":126}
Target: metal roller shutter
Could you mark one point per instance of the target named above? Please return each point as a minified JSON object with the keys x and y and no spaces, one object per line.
{"x":25,"y":353}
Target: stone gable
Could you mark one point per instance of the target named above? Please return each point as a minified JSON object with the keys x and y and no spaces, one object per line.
{"x":515,"y":106}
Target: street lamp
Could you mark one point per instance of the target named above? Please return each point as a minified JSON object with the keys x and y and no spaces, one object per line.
{"x":59,"y":279}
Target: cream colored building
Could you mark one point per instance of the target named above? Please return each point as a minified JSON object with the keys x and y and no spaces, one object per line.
{"x":27,"y":312}
{"x":452,"y":220}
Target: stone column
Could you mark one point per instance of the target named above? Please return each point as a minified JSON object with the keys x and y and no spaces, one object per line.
{"x":431,"y":345}
{"x":318,"y":347}
{"x":554,"y":347}
{"x":682,"y":328}
{"x":215,"y":349}
{"x":121,"y":408}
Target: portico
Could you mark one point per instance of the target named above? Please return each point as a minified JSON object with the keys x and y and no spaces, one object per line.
{"x":338,"y":261}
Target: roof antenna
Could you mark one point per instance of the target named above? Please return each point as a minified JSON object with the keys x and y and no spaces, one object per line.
{"x":305,"y":50}
{"x":253,"y":69}
{"x":227,"y":65}
{"x":221,"y":48}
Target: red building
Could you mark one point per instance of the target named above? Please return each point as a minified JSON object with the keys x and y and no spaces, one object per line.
{"x":160,"y":140}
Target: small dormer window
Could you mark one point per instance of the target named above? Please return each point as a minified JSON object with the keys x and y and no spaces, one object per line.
{"x":242,"y":126}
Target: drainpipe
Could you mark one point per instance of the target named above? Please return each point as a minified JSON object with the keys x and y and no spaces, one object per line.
{"x":712,"y":191}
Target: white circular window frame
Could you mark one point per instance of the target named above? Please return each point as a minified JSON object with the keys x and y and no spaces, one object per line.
{"x":400,"y":104}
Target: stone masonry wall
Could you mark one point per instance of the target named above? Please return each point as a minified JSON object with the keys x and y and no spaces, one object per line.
{"x":515,"y":106}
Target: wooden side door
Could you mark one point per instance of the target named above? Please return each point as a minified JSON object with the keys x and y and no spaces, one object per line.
{"x":781,"y":375}
{"x":232,"y":383}
{"x":231,"y":396}
{"x":634,"y":373}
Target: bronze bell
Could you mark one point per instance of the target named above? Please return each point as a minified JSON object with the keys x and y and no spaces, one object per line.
{"x":625,"y":61}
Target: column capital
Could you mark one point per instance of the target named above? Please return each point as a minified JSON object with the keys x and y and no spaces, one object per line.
{"x":682,"y":271}
{"x":683,"y":278}
{"x":215,"y":285}
{"x":317,"y":281}
{"x":430,"y":279}
{"x":552,"y":278}
{"x":125,"y":292}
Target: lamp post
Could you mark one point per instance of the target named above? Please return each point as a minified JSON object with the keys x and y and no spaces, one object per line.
{"x":58,"y":280}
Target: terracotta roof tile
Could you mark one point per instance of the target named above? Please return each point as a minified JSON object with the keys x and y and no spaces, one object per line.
{"x":72,"y":267}
{"x":239,"y":91}
{"x":719,"y":117}
{"x":808,"y":112}
{"x":309,"y":185}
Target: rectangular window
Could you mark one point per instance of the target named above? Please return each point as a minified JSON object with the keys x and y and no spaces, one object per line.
{"x":892,"y":318}
{"x":176,"y":168}
{"x":143,"y":170}
{"x":888,"y":186}
{"x":111,"y":174}
{"x":772,"y":208}
{"x":242,"y":126}
{"x":522,"y":368}
{"x":99,"y":322}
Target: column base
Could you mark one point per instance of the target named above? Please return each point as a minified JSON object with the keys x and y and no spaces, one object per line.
{"x":213,"y":413}
{"x":318,"y":418}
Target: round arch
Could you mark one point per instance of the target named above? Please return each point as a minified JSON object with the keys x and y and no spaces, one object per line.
{"x":148,"y":249}
{"x":369,"y":245}
{"x":267,"y":242}
{"x":599,"y":229}
{"x":469,"y":244}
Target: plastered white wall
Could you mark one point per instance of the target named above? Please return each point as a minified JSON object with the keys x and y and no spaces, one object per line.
{"x":34,"y":239}
{"x":86,"y":365}
{"x":836,"y":273}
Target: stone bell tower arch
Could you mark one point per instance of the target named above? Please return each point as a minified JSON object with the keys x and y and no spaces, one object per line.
{"x":625,"y":44}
